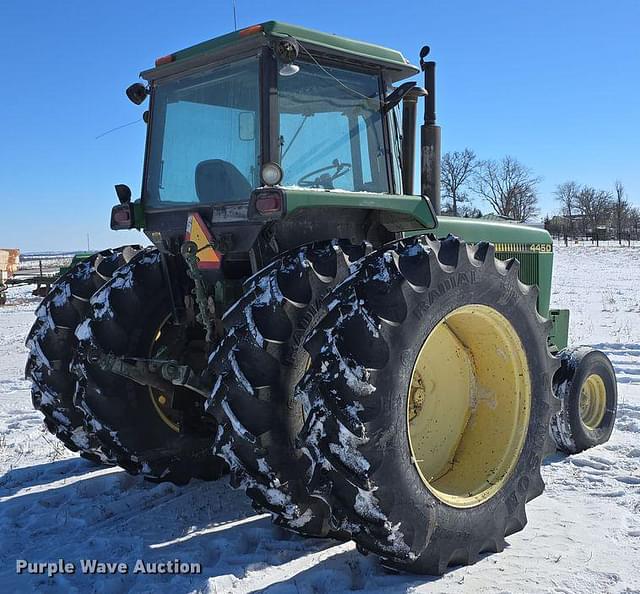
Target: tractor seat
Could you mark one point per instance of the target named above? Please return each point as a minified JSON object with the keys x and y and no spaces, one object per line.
{"x":220,"y":181}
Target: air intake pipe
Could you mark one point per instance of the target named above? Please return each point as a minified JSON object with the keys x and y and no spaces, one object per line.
{"x":408,"y":150}
{"x":430,"y":136}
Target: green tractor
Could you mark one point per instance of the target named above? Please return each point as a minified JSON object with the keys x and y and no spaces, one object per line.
{"x":362,"y":367}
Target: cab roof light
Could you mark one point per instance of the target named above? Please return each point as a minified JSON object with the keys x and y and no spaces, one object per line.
{"x":250,"y":30}
{"x":243,"y":32}
{"x":165,"y":60}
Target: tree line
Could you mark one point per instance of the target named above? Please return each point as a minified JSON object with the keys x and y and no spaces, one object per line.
{"x":508,"y":186}
{"x":511,"y":190}
{"x":586,"y":211}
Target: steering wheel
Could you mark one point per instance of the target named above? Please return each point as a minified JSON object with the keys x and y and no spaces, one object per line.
{"x":325,"y":180}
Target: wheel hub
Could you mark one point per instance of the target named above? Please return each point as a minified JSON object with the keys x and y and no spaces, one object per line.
{"x":172,"y":342}
{"x":468,"y":405}
{"x":593,"y":401}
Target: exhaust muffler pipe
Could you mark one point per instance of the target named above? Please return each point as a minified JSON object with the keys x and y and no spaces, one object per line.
{"x":430,"y":137}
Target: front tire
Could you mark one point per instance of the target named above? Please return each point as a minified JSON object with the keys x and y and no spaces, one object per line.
{"x":429,"y":472}
{"x":586,"y":387}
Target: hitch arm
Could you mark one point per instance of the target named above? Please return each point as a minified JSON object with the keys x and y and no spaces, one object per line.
{"x":157,"y":373}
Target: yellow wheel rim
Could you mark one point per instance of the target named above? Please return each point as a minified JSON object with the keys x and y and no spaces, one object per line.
{"x":160,"y":401}
{"x":593,"y":401}
{"x":469,"y":405}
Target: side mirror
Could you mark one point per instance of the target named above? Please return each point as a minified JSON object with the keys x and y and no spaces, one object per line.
{"x":137,"y":93}
{"x":396,"y":96}
{"x":124,"y":193}
{"x":424,"y":52}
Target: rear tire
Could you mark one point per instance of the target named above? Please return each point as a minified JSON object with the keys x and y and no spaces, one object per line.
{"x":370,"y":434}
{"x":586,"y":386}
{"x":52,"y":343}
{"x":258,"y":364}
{"x":128,"y":317}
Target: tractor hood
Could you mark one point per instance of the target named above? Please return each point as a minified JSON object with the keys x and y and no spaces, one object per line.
{"x":474,"y":230}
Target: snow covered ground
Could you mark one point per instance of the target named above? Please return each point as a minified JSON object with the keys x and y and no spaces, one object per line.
{"x":583,"y":533}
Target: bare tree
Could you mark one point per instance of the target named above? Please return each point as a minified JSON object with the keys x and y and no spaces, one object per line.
{"x":596,"y":207}
{"x":456,"y":171}
{"x":634,"y":221}
{"x":621,"y":209}
{"x":509,"y":187}
{"x":567,"y":195}
{"x":525,"y":203}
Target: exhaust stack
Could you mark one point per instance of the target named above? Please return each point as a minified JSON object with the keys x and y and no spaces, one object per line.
{"x":430,"y":137}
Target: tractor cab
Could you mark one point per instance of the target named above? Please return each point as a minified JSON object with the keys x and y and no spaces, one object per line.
{"x":247,"y":127}
{"x":281,"y":106}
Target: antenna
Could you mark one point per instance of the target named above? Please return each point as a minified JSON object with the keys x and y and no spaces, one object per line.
{"x":117,"y":128}
{"x":235,"y":16}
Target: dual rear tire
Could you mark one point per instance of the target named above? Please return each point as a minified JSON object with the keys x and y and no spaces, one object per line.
{"x":117,"y":301}
{"x":410,"y":321}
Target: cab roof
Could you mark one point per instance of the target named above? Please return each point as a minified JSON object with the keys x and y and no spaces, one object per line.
{"x":317,"y":43}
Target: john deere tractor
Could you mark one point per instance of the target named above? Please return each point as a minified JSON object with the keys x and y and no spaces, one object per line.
{"x":364,"y":368}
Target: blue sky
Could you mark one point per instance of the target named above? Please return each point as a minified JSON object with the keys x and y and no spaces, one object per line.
{"x":554,"y":83}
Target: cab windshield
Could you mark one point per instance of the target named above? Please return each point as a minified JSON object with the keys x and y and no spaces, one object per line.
{"x":205,"y":139}
{"x":331,"y":134}
{"x":204,"y":145}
